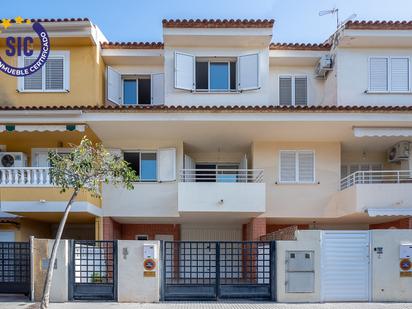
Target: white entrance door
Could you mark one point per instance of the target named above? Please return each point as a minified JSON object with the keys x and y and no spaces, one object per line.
{"x":345,"y":266}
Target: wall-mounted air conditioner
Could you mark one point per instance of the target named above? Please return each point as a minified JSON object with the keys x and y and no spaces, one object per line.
{"x":13,"y":159}
{"x":324,"y":65}
{"x":400,"y":151}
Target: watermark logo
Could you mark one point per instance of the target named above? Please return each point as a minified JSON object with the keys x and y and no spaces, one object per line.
{"x":19,"y":46}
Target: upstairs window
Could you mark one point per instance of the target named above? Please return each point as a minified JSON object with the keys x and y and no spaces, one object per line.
{"x":217,"y":74}
{"x":297,"y":166}
{"x":389,"y":74}
{"x":293,"y":90}
{"x":143,"y":163}
{"x":134,"y":89}
{"x":52,"y":77}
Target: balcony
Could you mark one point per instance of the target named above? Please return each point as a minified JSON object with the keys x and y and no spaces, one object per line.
{"x":25,"y":177}
{"x":221,"y":190}
{"x":364,"y":191}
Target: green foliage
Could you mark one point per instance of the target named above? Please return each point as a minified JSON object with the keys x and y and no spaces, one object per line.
{"x":96,"y":278}
{"x":87,"y":166}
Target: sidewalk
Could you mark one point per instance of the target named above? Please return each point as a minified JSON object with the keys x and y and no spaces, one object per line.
{"x":210,"y":305}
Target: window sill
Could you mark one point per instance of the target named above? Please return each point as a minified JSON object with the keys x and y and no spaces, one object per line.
{"x":387,"y":92}
{"x":216,"y":92}
{"x":297,"y":183}
{"x":43,"y":91}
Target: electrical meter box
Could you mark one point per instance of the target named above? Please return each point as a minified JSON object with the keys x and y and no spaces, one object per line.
{"x":149,"y":251}
{"x":405,"y":251}
{"x":300,"y":271}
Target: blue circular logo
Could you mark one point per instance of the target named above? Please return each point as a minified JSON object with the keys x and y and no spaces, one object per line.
{"x":22,"y":43}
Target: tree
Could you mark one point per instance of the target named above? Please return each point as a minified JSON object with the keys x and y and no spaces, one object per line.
{"x":86,"y":167}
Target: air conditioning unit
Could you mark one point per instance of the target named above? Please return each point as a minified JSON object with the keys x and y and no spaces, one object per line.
{"x":400,"y":151}
{"x":324,"y":65}
{"x":13,"y":159}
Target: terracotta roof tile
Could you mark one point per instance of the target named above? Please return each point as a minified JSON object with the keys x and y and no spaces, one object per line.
{"x":55,"y":20}
{"x":218,"y":23}
{"x":379,"y":25}
{"x":132,"y":45}
{"x":233,"y":108}
{"x":299,"y":46}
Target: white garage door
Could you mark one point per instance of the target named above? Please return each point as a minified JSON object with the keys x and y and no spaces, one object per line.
{"x":345,"y":266}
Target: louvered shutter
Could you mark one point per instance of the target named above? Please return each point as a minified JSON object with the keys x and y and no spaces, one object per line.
{"x":166,"y":160}
{"x":287,"y":166}
{"x":114,"y":85}
{"x":399,"y":74}
{"x":378,"y":74}
{"x":248,"y":72}
{"x":34,"y":80}
{"x":301,"y":90}
{"x":54,"y":69}
{"x":306,"y":163}
{"x":285,"y":90}
{"x":158,"y":90}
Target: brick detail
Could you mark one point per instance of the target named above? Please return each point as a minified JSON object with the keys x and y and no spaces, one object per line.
{"x":405,"y":223}
{"x":254,"y":229}
{"x":129,"y":231}
{"x":111,"y":229}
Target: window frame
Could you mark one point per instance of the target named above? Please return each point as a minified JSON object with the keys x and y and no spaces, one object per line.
{"x":66,"y":73}
{"x":293,"y":89}
{"x":140,"y":165}
{"x":135,"y":76}
{"x":389,"y":72}
{"x":297,"y":181}
{"x":209,"y":60}
{"x":136,"y":237}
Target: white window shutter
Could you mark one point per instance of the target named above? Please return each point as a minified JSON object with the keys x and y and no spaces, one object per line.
{"x":115,"y":152}
{"x":33,"y":81}
{"x":301,"y":90}
{"x":54,"y":74}
{"x":158,"y":89}
{"x":287,"y":166}
{"x":378,"y":74}
{"x":114,"y":86}
{"x":166,"y":160}
{"x":285,"y":90}
{"x":184,"y":71}
{"x":400,"y":74}
{"x":306,"y":161}
{"x":41,"y":159}
{"x":248,"y":72}
{"x":243,"y":174}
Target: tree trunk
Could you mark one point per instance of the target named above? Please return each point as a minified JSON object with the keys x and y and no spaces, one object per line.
{"x":47,"y":283}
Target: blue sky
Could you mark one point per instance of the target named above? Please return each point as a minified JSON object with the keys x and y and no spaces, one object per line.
{"x":140,"y":20}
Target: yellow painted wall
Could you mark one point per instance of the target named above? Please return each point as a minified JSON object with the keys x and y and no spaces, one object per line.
{"x":298,"y":200}
{"x":86,"y":80}
{"x":48,"y":194}
{"x":28,"y":228}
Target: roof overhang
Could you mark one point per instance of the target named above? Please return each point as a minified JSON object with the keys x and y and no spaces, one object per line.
{"x":395,"y":212}
{"x":376,"y":38}
{"x":132,"y":56}
{"x":295,"y":57}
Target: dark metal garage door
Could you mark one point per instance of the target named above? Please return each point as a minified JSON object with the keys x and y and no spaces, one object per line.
{"x":208,"y":270}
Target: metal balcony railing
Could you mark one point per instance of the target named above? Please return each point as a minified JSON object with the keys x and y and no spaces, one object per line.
{"x":24,"y":176}
{"x":222,"y":175}
{"x":376,"y":177}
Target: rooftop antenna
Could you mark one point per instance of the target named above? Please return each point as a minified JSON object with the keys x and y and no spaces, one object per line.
{"x":333,"y":11}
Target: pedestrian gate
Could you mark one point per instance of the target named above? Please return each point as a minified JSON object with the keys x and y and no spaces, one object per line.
{"x":93,"y":270}
{"x":207,"y":270}
{"x":15,"y":267}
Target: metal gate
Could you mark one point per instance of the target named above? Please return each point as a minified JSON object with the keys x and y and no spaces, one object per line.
{"x":208,"y":270}
{"x":93,"y":270}
{"x":15,"y":267}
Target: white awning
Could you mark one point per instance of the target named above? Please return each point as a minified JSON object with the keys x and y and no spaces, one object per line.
{"x":375,"y":212}
{"x":382,"y":132}
{"x":42,"y":128}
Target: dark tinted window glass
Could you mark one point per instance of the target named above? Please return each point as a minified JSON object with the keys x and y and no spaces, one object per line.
{"x":202,"y":75}
{"x":233,"y":75}
{"x":144,"y":91}
{"x":133,"y":159}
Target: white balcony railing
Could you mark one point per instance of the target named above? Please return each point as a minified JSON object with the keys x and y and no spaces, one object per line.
{"x":24,"y":176}
{"x":376,"y":177}
{"x":221,"y":175}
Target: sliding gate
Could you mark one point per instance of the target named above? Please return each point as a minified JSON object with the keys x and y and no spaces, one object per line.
{"x":207,"y":270}
{"x":15,"y":267}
